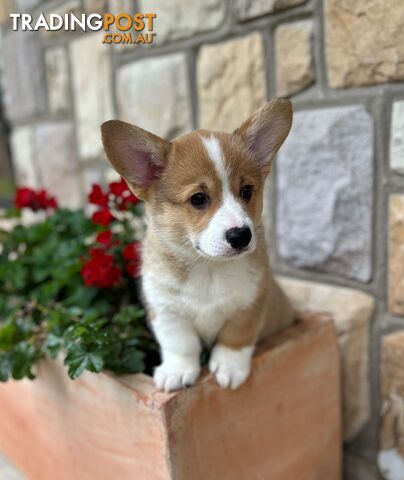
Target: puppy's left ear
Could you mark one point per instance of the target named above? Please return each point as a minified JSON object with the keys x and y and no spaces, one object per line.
{"x":266,"y":130}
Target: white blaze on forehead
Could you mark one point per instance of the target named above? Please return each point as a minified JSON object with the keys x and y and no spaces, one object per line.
{"x":230,"y":214}
{"x":215,"y":153}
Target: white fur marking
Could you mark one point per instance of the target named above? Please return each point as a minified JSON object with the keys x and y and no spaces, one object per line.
{"x":231,"y":367}
{"x":230,"y":214}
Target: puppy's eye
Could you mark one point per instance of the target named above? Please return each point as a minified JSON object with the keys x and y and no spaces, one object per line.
{"x":199,"y":200}
{"x":246,"y":192}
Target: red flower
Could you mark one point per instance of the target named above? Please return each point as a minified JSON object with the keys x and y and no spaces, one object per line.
{"x":97,"y":196}
{"x":41,"y":200}
{"x":132,"y":251}
{"x":132,"y":254}
{"x":105,"y":238}
{"x":131,"y":199}
{"x":119,"y":188}
{"x":45,"y":200}
{"x":24,"y":197}
{"x":102,"y":217}
{"x":134,"y":268}
{"x":100,"y":270}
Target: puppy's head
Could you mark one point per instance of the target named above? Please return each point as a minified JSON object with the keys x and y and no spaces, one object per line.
{"x":204,"y":190}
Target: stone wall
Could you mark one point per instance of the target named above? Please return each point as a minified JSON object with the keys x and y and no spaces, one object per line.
{"x":335,"y":203}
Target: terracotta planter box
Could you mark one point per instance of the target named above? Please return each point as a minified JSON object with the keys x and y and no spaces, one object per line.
{"x":283,"y":424}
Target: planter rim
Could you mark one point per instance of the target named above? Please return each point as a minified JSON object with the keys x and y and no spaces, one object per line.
{"x":143,"y":386}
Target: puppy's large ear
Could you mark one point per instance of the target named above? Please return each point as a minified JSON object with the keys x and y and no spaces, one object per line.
{"x":137,"y":155}
{"x":266,"y":130}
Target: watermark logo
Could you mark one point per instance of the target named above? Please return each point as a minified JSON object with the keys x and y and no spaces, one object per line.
{"x":137,"y":29}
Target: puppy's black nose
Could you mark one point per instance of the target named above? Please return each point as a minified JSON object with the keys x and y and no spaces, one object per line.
{"x":238,"y":237}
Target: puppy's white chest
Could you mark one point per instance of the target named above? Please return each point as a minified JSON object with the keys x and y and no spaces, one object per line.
{"x":213,"y":293}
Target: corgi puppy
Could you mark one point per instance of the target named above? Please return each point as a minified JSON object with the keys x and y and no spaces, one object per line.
{"x":206,"y":277}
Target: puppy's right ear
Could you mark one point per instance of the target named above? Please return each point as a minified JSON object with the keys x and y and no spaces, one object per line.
{"x":137,"y":155}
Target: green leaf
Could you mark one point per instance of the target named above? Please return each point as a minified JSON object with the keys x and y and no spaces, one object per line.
{"x":78,"y":360}
{"x":23,"y":358}
{"x":133,"y":361}
{"x":5,"y":368}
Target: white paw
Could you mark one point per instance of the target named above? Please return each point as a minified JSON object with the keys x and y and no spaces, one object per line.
{"x":231,"y":367}
{"x":169,"y":376}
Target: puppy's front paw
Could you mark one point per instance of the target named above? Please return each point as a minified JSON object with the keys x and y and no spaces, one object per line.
{"x":231,"y":367}
{"x":169,"y":376}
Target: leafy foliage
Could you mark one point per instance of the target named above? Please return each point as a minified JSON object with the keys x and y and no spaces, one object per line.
{"x":48,"y":307}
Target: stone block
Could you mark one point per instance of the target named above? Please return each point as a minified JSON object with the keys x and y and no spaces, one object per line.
{"x":182,"y":19}
{"x":6,"y":7}
{"x":121,"y":6}
{"x":294,"y":57}
{"x":92,"y":91}
{"x":325,"y":192}
{"x":97,"y":6}
{"x":397,"y":137}
{"x":57,"y":76}
{"x":67,"y":7}
{"x":364,"y":42}
{"x":44,"y":156}
{"x":23,"y":157}
{"x":24,"y":5}
{"x":351,"y":311}
{"x":246,"y":9}
{"x":391,"y":455}
{"x":231,"y":82}
{"x":155,"y":95}
{"x":24,"y":77}
{"x":56,"y":159}
{"x":396,"y":254}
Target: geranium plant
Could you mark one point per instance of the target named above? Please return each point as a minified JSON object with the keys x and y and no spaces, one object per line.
{"x":69,"y":286}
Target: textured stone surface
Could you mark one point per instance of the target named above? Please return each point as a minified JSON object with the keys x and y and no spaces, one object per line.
{"x":93,"y":174}
{"x":57,"y":78}
{"x":254,"y":8}
{"x":179,"y":19}
{"x":397,"y":136}
{"x":396,"y":254}
{"x":22,"y":149}
{"x":351,"y":311}
{"x":231,"y":82}
{"x":57,"y":161}
{"x":67,"y":7}
{"x":24,"y":93}
{"x":45,"y":156}
{"x":325,"y":181}
{"x":392,"y":410}
{"x":92,"y":87}
{"x":364,"y":41}
{"x":97,"y":6}
{"x":163,"y":107}
{"x":294,"y":57}
{"x":120,"y":6}
{"x":6,"y":8}
{"x":24,"y":5}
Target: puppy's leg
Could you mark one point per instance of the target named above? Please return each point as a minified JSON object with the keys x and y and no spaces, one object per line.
{"x":230,"y":359}
{"x":180,"y":352}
